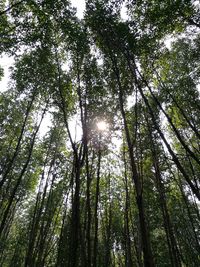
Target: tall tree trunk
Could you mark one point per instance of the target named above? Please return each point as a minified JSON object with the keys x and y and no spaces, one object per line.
{"x":17,"y":148}
{"x":96,"y":220}
{"x":12,"y":197}
{"x":73,"y":260}
{"x":128,"y":254}
{"x":173,"y":155}
{"x":88,"y":215}
{"x":171,"y":240}
{"x":148,"y":258}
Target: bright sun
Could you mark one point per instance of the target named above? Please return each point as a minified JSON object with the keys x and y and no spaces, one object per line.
{"x":102,"y":125}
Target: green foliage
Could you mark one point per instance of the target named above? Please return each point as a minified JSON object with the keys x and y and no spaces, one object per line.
{"x":73,"y":195}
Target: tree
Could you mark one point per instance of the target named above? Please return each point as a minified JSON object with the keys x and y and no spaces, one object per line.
{"x":81,"y":195}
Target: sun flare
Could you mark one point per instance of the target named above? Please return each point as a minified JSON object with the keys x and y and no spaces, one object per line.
{"x":102,"y":125}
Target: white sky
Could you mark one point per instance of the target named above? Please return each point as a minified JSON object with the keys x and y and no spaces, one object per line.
{"x":80,"y":5}
{"x":5,"y":63}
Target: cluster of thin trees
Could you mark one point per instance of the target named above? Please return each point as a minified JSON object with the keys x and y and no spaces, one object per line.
{"x":124,"y":196}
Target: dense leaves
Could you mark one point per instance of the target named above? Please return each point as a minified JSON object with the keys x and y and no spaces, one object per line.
{"x":74,"y":194}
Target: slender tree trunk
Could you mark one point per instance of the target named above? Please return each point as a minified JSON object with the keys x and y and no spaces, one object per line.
{"x":178,"y":135}
{"x":108,"y":228}
{"x":172,"y":245}
{"x":17,"y":148}
{"x":148,"y":258}
{"x":173,"y":155}
{"x":75,"y":221}
{"x":96,"y":220}
{"x":30,"y":258}
{"x":12,"y":197}
{"x":195,"y":130}
{"x":128,"y":253}
{"x":88,"y":208}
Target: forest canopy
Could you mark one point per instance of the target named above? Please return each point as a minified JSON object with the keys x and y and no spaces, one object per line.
{"x":114,"y":178}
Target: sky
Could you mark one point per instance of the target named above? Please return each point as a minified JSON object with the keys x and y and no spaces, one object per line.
{"x":80,"y":6}
{"x":5,"y":63}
